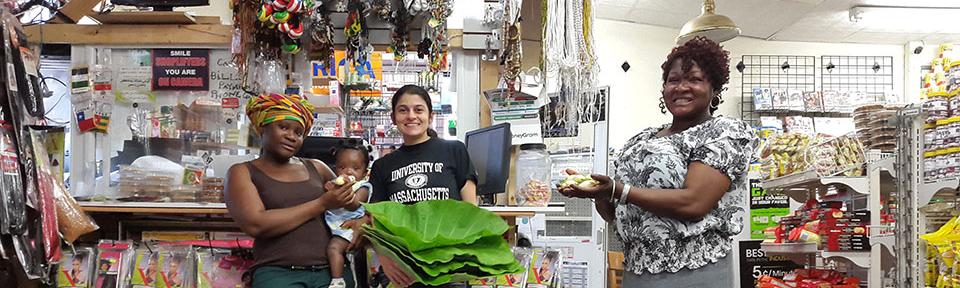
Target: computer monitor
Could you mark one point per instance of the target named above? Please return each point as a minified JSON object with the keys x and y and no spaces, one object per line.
{"x":320,"y":148}
{"x":489,"y":150}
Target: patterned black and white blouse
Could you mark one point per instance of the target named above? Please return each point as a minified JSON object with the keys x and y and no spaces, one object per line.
{"x":656,"y":244}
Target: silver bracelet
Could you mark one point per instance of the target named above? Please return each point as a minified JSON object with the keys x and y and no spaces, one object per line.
{"x":623,"y":194}
{"x":613,"y":190}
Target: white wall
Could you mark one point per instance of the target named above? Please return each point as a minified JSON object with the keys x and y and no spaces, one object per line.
{"x":635,"y":94}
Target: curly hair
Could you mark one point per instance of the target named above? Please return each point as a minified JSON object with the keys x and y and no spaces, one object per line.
{"x":708,"y":55}
{"x":354,"y":144}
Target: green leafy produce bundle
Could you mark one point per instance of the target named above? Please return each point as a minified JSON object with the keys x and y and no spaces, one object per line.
{"x":438,"y":242}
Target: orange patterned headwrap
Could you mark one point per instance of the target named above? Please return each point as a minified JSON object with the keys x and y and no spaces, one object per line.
{"x":269,"y":108}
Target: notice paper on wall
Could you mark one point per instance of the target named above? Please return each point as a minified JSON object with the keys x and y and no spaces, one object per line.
{"x":524,"y":122}
{"x":181,"y":69}
{"x":133,"y":75}
{"x":225,"y":80}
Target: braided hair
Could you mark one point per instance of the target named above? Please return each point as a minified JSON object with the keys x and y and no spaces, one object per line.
{"x":354,"y":144}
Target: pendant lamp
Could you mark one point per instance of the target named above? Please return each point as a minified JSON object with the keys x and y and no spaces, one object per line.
{"x":715,"y":27}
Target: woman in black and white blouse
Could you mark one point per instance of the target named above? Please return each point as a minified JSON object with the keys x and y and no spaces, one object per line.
{"x":677,"y":200}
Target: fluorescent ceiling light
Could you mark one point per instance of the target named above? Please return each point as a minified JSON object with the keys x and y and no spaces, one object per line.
{"x":907,"y":19}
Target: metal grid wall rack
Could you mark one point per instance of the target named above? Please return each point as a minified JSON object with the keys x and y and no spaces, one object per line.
{"x":872,"y":75}
{"x":773,"y":71}
{"x":372,"y":111}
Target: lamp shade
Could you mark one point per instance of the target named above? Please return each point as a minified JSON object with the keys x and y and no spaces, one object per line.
{"x":715,"y":27}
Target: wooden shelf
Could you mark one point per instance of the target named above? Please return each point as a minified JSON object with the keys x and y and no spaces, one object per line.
{"x":131,"y":34}
{"x":146,"y":17}
{"x":154,"y":207}
{"x":328,"y":109}
{"x":220,"y":208}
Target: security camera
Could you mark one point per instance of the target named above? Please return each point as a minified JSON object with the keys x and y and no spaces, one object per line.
{"x":918,"y":50}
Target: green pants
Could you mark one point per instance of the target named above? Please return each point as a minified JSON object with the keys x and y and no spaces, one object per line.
{"x":284,"y":277}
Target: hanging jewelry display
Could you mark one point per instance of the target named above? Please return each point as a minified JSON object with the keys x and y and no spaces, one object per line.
{"x":511,"y":58}
{"x":286,"y":17}
{"x":322,"y":35}
{"x":244,"y":22}
{"x":434,"y":43}
{"x":399,"y":21}
{"x":355,"y":29}
{"x":569,"y":60}
{"x":265,"y":29}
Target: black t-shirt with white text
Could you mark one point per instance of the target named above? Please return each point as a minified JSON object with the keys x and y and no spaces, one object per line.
{"x":432,"y":170}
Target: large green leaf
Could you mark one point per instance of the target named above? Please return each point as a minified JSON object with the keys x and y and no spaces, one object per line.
{"x":477,"y":255}
{"x":467,"y":272}
{"x":439,"y":223}
{"x":416,"y":271}
{"x":490,"y":250}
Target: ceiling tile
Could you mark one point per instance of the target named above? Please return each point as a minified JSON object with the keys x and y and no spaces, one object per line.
{"x":785,"y":20}
{"x":755,"y":17}
{"x":615,"y":3}
{"x":613,"y":13}
{"x":911,"y":3}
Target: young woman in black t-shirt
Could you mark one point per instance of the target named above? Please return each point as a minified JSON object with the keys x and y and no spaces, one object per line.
{"x":424,"y":168}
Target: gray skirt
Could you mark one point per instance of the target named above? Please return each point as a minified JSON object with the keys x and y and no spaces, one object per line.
{"x":714,"y":275}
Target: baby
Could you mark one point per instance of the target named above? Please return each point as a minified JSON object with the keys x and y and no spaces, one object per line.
{"x":353,"y":160}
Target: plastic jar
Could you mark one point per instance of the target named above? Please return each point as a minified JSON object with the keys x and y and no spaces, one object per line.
{"x":930,"y":168}
{"x":954,"y":105}
{"x":942,"y":163}
{"x":953,"y":164}
{"x":949,"y":140}
{"x":943,"y":133}
{"x":937,"y":107}
{"x":953,"y":133}
{"x":929,"y":139}
{"x":533,"y":175}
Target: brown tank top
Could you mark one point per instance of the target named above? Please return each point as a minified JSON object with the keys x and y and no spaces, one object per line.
{"x":304,"y":246}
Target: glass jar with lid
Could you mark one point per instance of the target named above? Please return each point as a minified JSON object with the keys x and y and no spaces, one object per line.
{"x":533,"y":175}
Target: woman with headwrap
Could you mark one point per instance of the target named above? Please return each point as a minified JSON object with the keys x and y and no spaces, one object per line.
{"x":280,"y":199}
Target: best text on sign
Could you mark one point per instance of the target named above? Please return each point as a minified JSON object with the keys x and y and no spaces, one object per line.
{"x":181,"y":69}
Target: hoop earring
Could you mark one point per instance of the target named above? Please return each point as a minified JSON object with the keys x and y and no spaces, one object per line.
{"x":719,"y":101}
{"x":663,"y":106}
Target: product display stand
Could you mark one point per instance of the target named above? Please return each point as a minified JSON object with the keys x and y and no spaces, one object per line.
{"x":913,"y":194}
{"x":877,"y":183}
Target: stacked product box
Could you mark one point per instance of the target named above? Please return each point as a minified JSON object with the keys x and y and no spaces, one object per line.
{"x":826,"y":224}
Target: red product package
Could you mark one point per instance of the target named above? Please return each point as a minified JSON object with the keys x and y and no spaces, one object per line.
{"x":832,"y":276}
{"x":831,"y":204}
{"x":813,"y":283}
{"x":779,"y":234}
{"x":793,"y":277}
{"x":851,"y":281}
{"x":766,"y":281}
{"x":47,"y":207}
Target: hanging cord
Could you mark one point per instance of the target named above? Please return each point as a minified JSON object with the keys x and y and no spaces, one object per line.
{"x":570,"y":59}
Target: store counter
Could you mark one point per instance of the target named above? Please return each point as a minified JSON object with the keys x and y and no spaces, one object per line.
{"x":508,"y":213}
